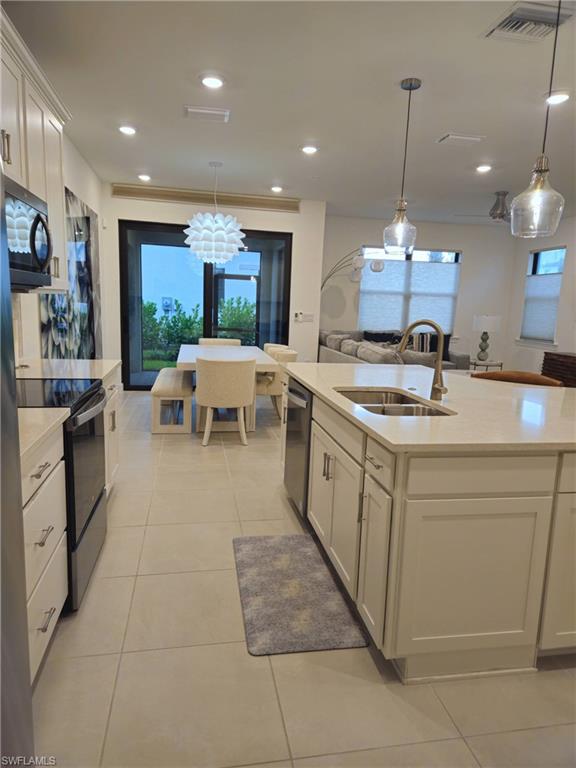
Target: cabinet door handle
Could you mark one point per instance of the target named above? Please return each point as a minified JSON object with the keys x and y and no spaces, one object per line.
{"x":47,"y":620}
{"x":284,"y":414}
{"x":6,"y":150}
{"x":40,"y":471}
{"x":374,"y":463}
{"x":328,"y":461}
{"x":324,"y":465}
{"x":113,"y":421}
{"x":44,"y":539}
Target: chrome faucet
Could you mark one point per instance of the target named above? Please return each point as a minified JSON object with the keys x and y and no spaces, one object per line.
{"x":438,"y":388}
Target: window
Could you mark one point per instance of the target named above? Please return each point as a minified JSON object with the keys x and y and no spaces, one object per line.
{"x":541,"y":294}
{"x":424,"y":285}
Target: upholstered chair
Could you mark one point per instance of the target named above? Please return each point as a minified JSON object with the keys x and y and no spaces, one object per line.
{"x":225,"y":384}
{"x":271,"y":383}
{"x":219,"y":342}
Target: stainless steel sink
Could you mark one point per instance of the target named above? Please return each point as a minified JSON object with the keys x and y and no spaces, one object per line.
{"x":404,"y":409}
{"x":386,"y":402}
{"x":377,"y":397}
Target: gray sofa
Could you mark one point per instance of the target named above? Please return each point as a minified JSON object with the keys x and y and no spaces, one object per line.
{"x":353,"y":347}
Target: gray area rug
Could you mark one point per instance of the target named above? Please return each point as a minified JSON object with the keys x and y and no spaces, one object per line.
{"x":290,"y":600}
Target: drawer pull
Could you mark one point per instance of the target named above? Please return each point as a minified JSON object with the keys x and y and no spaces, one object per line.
{"x":374,"y":463}
{"x":47,"y":620}
{"x":40,"y":471}
{"x":44,"y":539}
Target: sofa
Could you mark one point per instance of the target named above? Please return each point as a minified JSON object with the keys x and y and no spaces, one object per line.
{"x":381,"y":347}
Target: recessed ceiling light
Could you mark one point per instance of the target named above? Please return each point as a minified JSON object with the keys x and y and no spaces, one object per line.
{"x":309,"y":149}
{"x":557,"y":98}
{"x":143,"y":177}
{"x":127,"y":130}
{"x":212,"y":81}
{"x":276,"y":189}
{"x":483,"y":168}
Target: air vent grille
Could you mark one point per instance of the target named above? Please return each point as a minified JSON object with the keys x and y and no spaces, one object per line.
{"x":459,"y":139}
{"x":207,"y":114}
{"x":529,"y":22}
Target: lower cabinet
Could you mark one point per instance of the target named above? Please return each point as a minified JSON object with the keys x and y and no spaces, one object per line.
{"x":334,"y":496}
{"x":558,"y":628}
{"x":111,"y":436}
{"x":373,"y":571}
{"x":471,"y":574}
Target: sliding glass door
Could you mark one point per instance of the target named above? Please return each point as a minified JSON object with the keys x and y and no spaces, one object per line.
{"x":170,"y":298}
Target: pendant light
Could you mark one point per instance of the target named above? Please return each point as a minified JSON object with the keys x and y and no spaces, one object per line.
{"x":400,"y":235}
{"x":537,"y":211}
{"x":213,"y":237}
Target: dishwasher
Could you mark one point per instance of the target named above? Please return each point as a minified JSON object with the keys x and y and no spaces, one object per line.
{"x":297,"y":454}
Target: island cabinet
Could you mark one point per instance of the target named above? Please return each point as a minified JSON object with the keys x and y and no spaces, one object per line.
{"x":470,"y":555}
{"x":335,"y":492}
{"x":113,"y":385}
{"x":558,"y":628}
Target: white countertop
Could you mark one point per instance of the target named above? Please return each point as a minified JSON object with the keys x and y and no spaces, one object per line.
{"x":189,"y":353}
{"x":39,"y":368}
{"x":34,"y":424}
{"x":490,"y":415}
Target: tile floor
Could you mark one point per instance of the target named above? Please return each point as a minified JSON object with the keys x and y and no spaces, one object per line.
{"x":153,"y":670}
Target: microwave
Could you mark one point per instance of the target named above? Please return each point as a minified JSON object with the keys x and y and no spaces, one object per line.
{"x":27,"y":236}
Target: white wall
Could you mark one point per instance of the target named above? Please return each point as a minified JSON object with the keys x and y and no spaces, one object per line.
{"x":528,"y":357}
{"x":307,"y":228}
{"x":488,"y":262}
{"x":86,"y":185}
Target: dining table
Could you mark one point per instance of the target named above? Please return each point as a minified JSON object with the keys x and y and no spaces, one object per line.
{"x":189,"y":354}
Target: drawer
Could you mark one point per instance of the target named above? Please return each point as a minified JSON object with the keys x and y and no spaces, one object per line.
{"x":113,"y":381}
{"x":481,"y":475}
{"x":45,"y":605}
{"x":380,"y":464}
{"x":567,"y":482}
{"x":44,"y":523}
{"x":345,"y":434}
{"x":40,"y":462}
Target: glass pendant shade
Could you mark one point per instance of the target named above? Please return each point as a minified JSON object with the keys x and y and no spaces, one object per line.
{"x":400,"y":235}
{"x":213,"y":237}
{"x":537,"y":211}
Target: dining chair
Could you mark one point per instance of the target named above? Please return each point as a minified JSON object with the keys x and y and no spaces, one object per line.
{"x":269,"y":345}
{"x":271,"y":383}
{"x":518,"y":377}
{"x":219,"y":342}
{"x":225,"y":384}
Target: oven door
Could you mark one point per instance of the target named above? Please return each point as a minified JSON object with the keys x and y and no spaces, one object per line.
{"x":86,"y":463}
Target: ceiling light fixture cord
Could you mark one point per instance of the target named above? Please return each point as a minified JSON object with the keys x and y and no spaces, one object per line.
{"x":215,"y":187}
{"x":551,"y":77}
{"x":406,"y":143}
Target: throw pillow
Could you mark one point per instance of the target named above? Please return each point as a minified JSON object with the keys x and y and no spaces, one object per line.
{"x":350,"y":347}
{"x":410,"y":357}
{"x":372,"y":353}
{"x":392,"y":337}
{"x":334,"y":340}
{"x":322,"y":336}
{"x":428,"y":342}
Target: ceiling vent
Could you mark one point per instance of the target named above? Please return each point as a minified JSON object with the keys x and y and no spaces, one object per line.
{"x":527,"y":22}
{"x":459,"y":139}
{"x":207,"y":114}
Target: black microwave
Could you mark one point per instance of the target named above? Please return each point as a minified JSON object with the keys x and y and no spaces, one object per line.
{"x":28,"y":238}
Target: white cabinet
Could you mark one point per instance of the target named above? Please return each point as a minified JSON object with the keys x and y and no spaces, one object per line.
{"x":373,"y":571}
{"x":334,"y":503}
{"x":111,"y":435}
{"x":559,"y":615}
{"x":12,"y":122}
{"x":35,"y":149}
{"x":471,"y":573}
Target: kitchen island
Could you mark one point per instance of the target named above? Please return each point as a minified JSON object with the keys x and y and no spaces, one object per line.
{"x":454,"y":533}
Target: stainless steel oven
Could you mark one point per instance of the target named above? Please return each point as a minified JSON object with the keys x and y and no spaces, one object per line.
{"x":84,"y":453}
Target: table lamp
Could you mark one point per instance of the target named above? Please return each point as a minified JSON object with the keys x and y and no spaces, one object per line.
{"x":485,"y":323}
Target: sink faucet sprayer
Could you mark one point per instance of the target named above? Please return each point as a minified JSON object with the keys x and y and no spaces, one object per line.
{"x":438,"y":388}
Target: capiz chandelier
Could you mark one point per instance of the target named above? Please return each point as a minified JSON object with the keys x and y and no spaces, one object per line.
{"x":214,"y":237}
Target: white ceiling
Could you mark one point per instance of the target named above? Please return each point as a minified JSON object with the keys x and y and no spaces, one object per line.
{"x":309,"y":72}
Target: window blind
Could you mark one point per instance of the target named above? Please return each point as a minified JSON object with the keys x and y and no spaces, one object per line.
{"x":541,"y":296}
{"x":406,"y":291}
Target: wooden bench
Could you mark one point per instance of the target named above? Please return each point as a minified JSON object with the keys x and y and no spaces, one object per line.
{"x":173,"y":388}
